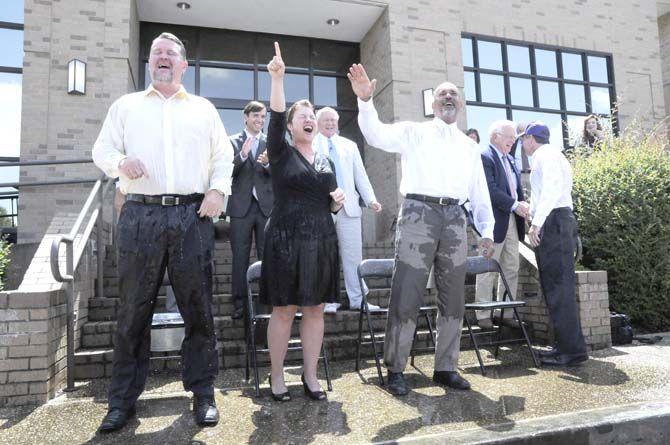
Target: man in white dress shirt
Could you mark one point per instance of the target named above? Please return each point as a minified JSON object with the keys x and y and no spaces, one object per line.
{"x":174,"y":161}
{"x":441,"y":169}
{"x":352,"y":178}
{"x":552,"y":234}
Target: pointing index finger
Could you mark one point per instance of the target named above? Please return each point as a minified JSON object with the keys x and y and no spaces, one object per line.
{"x":277,"y":50}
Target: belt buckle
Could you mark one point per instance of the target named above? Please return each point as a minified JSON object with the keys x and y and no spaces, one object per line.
{"x":169,"y":200}
{"x":444,"y":201}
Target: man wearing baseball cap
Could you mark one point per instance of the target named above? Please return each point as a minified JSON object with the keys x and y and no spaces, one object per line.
{"x":552,"y":234}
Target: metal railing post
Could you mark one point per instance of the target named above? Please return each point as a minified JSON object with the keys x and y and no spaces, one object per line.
{"x":99,"y":243}
{"x":71,"y":314}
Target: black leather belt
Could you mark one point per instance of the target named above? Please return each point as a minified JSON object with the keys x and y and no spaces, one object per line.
{"x":165,"y":200}
{"x":433,"y":199}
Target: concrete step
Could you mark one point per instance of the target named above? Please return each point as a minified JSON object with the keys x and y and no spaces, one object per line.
{"x":96,"y":362}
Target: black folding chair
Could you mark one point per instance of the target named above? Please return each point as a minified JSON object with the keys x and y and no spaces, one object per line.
{"x":383,"y":269}
{"x":479,"y":265}
{"x":254,"y":318}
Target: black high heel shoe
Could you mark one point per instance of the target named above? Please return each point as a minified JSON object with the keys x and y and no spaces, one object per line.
{"x":314,"y":395}
{"x":283,"y":397}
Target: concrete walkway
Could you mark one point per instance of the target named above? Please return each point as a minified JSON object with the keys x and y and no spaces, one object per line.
{"x":513,"y":403}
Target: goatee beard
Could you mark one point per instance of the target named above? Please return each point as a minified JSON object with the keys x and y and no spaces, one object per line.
{"x":163,"y":78}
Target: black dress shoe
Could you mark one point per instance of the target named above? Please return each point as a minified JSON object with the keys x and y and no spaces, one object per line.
{"x":565,"y":360}
{"x":238,"y":312}
{"x":205,"y":410}
{"x":396,"y":384}
{"x":116,"y":419}
{"x":451,"y":379}
{"x":546,"y":354}
{"x":314,"y":395}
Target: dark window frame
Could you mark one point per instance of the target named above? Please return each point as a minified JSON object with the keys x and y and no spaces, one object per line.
{"x":534,"y":78}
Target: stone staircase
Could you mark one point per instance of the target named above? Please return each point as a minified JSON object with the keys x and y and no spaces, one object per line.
{"x":94,"y":357}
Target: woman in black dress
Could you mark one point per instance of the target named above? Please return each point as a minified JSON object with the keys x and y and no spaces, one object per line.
{"x":300,"y":259}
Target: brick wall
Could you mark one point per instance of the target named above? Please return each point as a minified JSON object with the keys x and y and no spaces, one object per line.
{"x":59,"y":126}
{"x":592,"y":301}
{"x":33,"y":329}
{"x":664,"y":40}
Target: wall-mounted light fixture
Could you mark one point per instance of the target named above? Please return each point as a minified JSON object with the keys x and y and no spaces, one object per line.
{"x":183,"y":6}
{"x":428,"y":102}
{"x":76,"y":77}
{"x":333,"y":22}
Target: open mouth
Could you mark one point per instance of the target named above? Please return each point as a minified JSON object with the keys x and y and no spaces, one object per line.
{"x":308,"y":129}
{"x":163,"y":66}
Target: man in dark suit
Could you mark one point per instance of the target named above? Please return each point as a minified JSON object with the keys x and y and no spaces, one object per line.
{"x":509,"y":211}
{"x":251,"y":200}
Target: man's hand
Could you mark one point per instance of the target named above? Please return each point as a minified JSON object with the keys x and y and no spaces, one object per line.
{"x":522,"y":209}
{"x":534,"y":235}
{"x":363,"y":87}
{"x":486,"y":247}
{"x":263,"y":158}
{"x":276,"y":67}
{"x":212,"y":204}
{"x":374,"y":205}
{"x":132,"y":168}
{"x":246,"y":147}
{"x":338,"y":199}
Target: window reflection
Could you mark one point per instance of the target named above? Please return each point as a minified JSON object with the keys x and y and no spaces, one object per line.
{"x":188,"y":80}
{"x":11,"y":11}
{"x":518,"y":59}
{"x":295,"y":51}
{"x":10,"y":114}
{"x":466,"y":51}
{"x":493,"y":88}
{"x":233,"y":120}
{"x":296,"y":86}
{"x":598,"y":69}
{"x":572,"y":66}
{"x":490,"y":55}
{"x":470,"y":91}
{"x":521,"y":91}
{"x":334,"y":57}
{"x":481,"y":118}
{"x":226,"y":83}
{"x":553,"y":121}
{"x":227,"y":46}
{"x":325,"y":91}
{"x":574,"y":97}
{"x":548,"y":94}
{"x":11,"y":48}
{"x":545,"y":63}
{"x":600,"y":100}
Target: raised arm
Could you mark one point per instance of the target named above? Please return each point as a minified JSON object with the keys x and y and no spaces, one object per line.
{"x":276,"y":68}
{"x":388,"y":137}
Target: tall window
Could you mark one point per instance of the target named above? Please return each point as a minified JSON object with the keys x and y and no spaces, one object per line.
{"x":522,"y":81}
{"x":11,"y":69}
{"x":229,"y":68}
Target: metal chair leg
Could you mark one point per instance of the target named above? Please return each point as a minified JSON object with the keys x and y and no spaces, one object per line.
{"x":474,"y":344}
{"x":499,"y":333}
{"x":360,"y":334}
{"x":326,"y":366}
{"x":525,"y":335}
{"x":374,"y":345}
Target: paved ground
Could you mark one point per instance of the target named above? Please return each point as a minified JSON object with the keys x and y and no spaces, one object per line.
{"x":511,"y":395}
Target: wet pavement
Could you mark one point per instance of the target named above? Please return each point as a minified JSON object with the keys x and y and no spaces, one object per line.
{"x":359,"y":410}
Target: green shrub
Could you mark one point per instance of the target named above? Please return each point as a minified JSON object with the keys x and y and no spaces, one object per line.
{"x":622,"y":203}
{"x":5,"y":247}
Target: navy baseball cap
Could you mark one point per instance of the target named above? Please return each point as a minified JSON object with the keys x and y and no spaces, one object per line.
{"x":536,"y":128}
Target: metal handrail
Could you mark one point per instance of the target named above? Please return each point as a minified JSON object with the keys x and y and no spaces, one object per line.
{"x":72,"y":260}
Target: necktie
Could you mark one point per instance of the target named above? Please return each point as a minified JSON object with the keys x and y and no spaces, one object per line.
{"x":508,"y":172}
{"x":336,"y":161}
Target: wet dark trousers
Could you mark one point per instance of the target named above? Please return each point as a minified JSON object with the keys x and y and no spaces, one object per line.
{"x":555,"y":260}
{"x":152,"y":238}
{"x":241,"y":231}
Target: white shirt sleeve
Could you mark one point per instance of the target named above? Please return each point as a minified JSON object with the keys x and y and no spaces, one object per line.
{"x":552,"y":187}
{"x":392,"y":138}
{"x":108,"y":149}
{"x":480,"y":200}
{"x":221,"y":161}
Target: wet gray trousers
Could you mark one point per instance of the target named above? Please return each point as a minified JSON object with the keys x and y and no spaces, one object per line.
{"x":427,"y":235}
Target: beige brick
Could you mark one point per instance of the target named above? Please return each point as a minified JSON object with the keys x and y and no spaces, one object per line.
{"x":26,"y":376}
{"x":28,"y":326}
{"x":17,"y":389}
{"x":28,"y":351}
{"x":38,"y":363}
{"x":14,"y":339}
{"x":39,"y":314}
{"x":13,"y":364}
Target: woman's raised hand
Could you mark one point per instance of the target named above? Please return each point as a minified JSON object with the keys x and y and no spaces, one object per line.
{"x":363,"y":87}
{"x":276,"y":66}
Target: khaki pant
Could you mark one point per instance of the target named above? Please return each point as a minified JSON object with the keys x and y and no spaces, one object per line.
{"x":507,"y":255}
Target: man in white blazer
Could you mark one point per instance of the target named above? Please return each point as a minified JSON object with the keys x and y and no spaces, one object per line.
{"x":352,"y":178}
